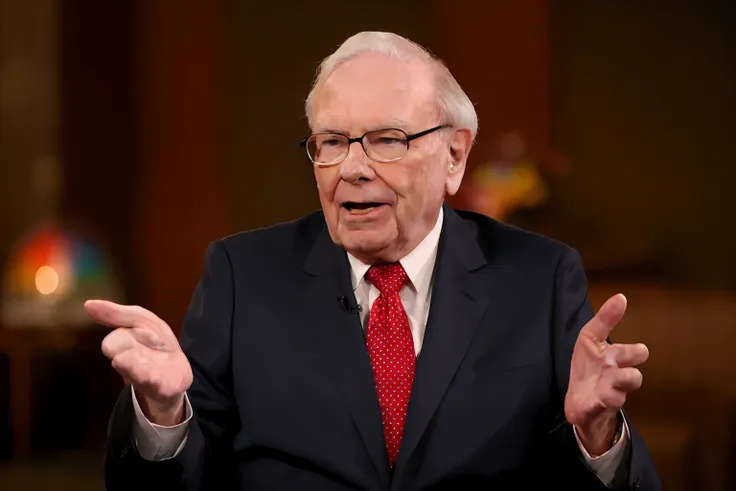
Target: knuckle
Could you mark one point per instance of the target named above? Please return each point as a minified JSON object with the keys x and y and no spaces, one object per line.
{"x":109,"y":343}
{"x":127,"y":362}
{"x":153,"y":338}
{"x":105,"y":347}
{"x":638,"y":377}
{"x":149,"y":337}
{"x":614,"y":399}
{"x":140,"y":312}
{"x":119,"y":363}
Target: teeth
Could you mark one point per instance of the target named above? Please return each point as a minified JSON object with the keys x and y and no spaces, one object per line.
{"x":361,"y":211}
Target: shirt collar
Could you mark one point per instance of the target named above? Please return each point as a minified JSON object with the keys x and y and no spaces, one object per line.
{"x":418,"y":264}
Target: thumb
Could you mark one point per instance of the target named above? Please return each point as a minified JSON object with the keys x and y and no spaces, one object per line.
{"x":608,"y":316}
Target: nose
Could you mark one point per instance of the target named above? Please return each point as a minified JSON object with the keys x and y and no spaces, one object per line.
{"x":357,"y":165}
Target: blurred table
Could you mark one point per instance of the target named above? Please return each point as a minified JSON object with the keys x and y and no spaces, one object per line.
{"x":22,"y":345}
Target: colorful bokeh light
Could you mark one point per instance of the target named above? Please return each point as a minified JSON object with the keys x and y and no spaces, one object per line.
{"x":50,"y":273}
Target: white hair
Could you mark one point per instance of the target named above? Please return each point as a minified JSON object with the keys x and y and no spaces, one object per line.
{"x":453,"y":105}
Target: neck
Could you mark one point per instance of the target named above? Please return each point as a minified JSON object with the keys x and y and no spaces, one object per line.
{"x":397,"y":250}
{"x":389,"y":255}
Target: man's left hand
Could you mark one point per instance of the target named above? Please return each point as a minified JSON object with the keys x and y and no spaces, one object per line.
{"x":601,"y":376}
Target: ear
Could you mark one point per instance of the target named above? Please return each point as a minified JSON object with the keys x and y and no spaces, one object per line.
{"x":461,"y":141}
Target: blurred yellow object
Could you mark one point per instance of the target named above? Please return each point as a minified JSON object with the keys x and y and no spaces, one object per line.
{"x":500,"y":191}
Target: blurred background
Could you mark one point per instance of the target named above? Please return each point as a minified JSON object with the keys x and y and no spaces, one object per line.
{"x":134,"y":133}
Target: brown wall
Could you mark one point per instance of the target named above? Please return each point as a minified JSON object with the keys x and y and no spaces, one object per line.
{"x":639,"y":98}
{"x":275,"y":51}
{"x":641,"y":101}
{"x":644,"y":105}
{"x":28,"y":111}
{"x":144,"y":138}
{"x":98,"y":112}
{"x":181,"y":203}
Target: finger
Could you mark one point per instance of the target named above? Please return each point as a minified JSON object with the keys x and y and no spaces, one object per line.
{"x":125,"y":338}
{"x":129,"y":316}
{"x":112,"y":314}
{"x":627,"y":379}
{"x":148,"y":337}
{"x":610,"y":314}
{"x":614,"y":398}
{"x":125,"y":364}
{"x":133,"y":366}
{"x":628,"y":355}
{"x":117,"y":342}
{"x":149,"y":321}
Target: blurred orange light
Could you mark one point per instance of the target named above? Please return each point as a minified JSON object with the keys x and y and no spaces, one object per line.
{"x":47,"y":280}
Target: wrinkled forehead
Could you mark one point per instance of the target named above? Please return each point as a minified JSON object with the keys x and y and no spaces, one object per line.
{"x":374,"y":91}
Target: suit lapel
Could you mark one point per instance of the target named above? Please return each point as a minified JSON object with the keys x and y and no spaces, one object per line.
{"x":459,"y":299}
{"x":340,"y":343}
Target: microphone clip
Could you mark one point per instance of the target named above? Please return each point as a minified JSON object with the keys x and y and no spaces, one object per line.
{"x":348,"y":305}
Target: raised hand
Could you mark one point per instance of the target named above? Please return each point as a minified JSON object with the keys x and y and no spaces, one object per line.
{"x":601,"y":376}
{"x":145,"y":352}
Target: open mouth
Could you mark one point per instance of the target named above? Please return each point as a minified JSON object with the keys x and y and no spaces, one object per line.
{"x":356,"y":208}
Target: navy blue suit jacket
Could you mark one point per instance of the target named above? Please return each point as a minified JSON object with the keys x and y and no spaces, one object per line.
{"x":283,"y":391}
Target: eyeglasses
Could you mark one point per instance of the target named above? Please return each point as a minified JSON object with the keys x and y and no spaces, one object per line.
{"x":386,"y":145}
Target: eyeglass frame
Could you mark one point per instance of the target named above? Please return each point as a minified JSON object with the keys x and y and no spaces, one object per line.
{"x":409,"y":138}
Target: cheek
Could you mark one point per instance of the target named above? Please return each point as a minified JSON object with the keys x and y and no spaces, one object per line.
{"x":417,"y":184}
{"x":327,"y":179}
{"x":436,"y":180}
{"x":404,"y":181}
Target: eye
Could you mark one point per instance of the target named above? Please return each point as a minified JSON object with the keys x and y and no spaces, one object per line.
{"x":387,"y":140}
{"x":331,"y":142}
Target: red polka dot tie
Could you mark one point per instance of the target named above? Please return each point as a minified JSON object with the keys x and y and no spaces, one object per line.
{"x":391,"y":350}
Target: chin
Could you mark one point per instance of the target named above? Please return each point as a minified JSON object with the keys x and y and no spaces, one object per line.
{"x":365,"y":240}
{"x":367,"y":245}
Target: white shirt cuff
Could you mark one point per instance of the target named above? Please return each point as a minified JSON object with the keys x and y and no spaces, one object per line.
{"x":154,"y":442}
{"x":606,"y":465}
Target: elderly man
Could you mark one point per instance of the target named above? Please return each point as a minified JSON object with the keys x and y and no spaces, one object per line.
{"x":386,"y":342}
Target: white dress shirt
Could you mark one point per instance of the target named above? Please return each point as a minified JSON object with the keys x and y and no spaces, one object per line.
{"x":156,"y":442}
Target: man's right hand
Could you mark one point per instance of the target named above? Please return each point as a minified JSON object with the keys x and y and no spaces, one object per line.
{"x":145,"y":352}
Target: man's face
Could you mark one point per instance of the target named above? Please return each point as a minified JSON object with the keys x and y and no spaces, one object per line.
{"x":381,"y":211}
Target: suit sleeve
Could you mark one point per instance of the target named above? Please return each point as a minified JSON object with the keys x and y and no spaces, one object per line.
{"x":206,"y":460}
{"x":571,"y":312}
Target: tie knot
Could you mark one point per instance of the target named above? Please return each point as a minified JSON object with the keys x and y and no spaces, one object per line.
{"x":388,"y":278}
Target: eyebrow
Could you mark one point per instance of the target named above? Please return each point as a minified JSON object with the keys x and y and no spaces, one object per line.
{"x":329,"y":129}
{"x":393,"y":123}
{"x":385,"y":124}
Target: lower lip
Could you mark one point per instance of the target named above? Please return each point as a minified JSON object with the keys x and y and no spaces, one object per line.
{"x":364,"y":213}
